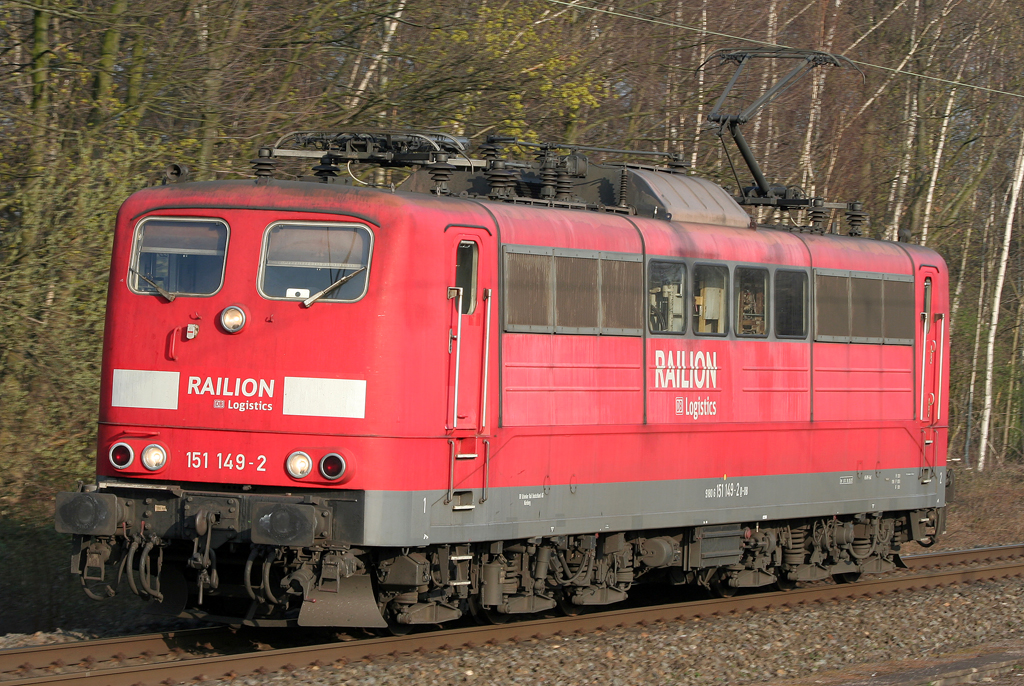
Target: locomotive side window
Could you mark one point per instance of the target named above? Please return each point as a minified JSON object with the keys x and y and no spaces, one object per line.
{"x":898,"y":317}
{"x":528,"y":291}
{"x":710,"y":303}
{"x":666,"y":297}
{"x":790,"y":304}
{"x":621,"y":290}
{"x":751,"y":302}
{"x":465,"y":274}
{"x":303,"y":260}
{"x":577,"y":296}
{"x":181,"y":256}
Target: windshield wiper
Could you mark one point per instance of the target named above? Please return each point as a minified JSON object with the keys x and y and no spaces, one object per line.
{"x":308,"y":302}
{"x":154,"y":284}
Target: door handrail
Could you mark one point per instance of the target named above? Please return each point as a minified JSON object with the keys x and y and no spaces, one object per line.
{"x":487,"y":469}
{"x":487,"y":358}
{"x":942,"y":353}
{"x":456,"y":293}
{"x":451,"y":472}
{"x":924,"y":358}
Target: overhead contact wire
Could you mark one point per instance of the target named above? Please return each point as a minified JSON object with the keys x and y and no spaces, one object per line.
{"x":674,"y":25}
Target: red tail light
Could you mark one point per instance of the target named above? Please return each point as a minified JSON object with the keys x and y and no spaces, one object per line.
{"x":121,"y":455}
{"x":332,"y":466}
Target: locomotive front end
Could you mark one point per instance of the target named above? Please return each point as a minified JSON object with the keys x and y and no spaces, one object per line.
{"x":234,"y":448}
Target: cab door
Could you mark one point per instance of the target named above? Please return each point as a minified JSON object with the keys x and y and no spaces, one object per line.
{"x":471,"y":270}
{"x":472,"y":279}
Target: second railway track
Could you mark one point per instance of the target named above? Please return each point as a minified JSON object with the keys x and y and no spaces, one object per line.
{"x":187,"y":655}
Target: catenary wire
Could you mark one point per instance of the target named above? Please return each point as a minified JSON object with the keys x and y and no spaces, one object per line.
{"x":662,"y":22}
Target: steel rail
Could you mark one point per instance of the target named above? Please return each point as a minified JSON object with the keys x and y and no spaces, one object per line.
{"x":291,"y":658}
{"x":103,"y":650}
{"x":950,"y":557}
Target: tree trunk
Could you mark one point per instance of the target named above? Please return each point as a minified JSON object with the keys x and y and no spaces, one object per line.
{"x":1018,"y":178}
{"x":977,"y":330}
{"x":212,"y":84}
{"x":703,"y":48}
{"x":1009,"y":390}
{"x":105,"y":66}
{"x":40,"y":93}
{"x":390,"y":26}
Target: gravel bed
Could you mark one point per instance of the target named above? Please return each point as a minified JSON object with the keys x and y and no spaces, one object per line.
{"x":754,"y":646}
{"x":40,"y":638}
{"x":149,"y":626}
{"x":743,"y":648}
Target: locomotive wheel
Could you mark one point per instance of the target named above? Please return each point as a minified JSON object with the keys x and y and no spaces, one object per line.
{"x":396,"y":629}
{"x":722,"y":589}
{"x":486,"y":615}
{"x":846,"y":577}
{"x":784,"y":584}
{"x":568,"y":608}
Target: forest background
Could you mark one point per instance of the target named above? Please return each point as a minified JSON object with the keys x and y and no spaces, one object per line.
{"x":97,"y":96}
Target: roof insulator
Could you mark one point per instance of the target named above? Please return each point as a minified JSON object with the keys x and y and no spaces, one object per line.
{"x":493,"y":148}
{"x":548,"y":174}
{"x":818,"y":215}
{"x":856,"y":217}
{"x":563,"y":185}
{"x":326,"y":168}
{"x":441,"y":173}
{"x":501,"y":180}
{"x":263,"y":165}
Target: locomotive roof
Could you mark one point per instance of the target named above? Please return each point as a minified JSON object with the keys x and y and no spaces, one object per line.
{"x":663,"y":196}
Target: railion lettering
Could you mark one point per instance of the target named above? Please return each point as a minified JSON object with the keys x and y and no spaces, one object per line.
{"x":224,"y":386}
{"x":685,"y":369}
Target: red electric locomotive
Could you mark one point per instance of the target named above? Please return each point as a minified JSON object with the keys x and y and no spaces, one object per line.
{"x":501,"y":387}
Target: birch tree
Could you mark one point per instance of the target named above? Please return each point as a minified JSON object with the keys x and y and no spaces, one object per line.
{"x":1018,"y":178}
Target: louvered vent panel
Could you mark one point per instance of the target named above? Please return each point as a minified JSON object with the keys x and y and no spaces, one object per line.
{"x":621,"y":296}
{"x":831,"y":297}
{"x":866,"y":297}
{"x":528,"y":291}
{"x":577,"y":293}
{"x":900,"y":318}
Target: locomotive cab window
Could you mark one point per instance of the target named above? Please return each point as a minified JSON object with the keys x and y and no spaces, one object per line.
{"x":790,"y":304}
{"x":710,"y":302}
{"x":180,"y":256}
{"x":751,"y":302}
{"x":465,"y":274}
{"x":927,"y":314}
{"x":304,"y":260}
{"x":666,"y":297}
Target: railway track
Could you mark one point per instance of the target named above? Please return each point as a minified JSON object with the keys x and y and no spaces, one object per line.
{"x":216,"y":652}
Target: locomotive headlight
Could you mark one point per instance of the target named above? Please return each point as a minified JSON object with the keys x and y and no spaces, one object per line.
{"x":298,"y":465}
{"x":121,"y":455}
{"x":232,"y":319}
{"x":332,"y":466}
{"x":153,"y":457}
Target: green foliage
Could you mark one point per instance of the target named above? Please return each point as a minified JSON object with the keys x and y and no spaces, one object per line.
{"x":51,"y":320}
{"x":96,"y":98}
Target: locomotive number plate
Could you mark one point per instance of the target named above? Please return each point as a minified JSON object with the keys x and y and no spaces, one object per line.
{"x":232,"y":461}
